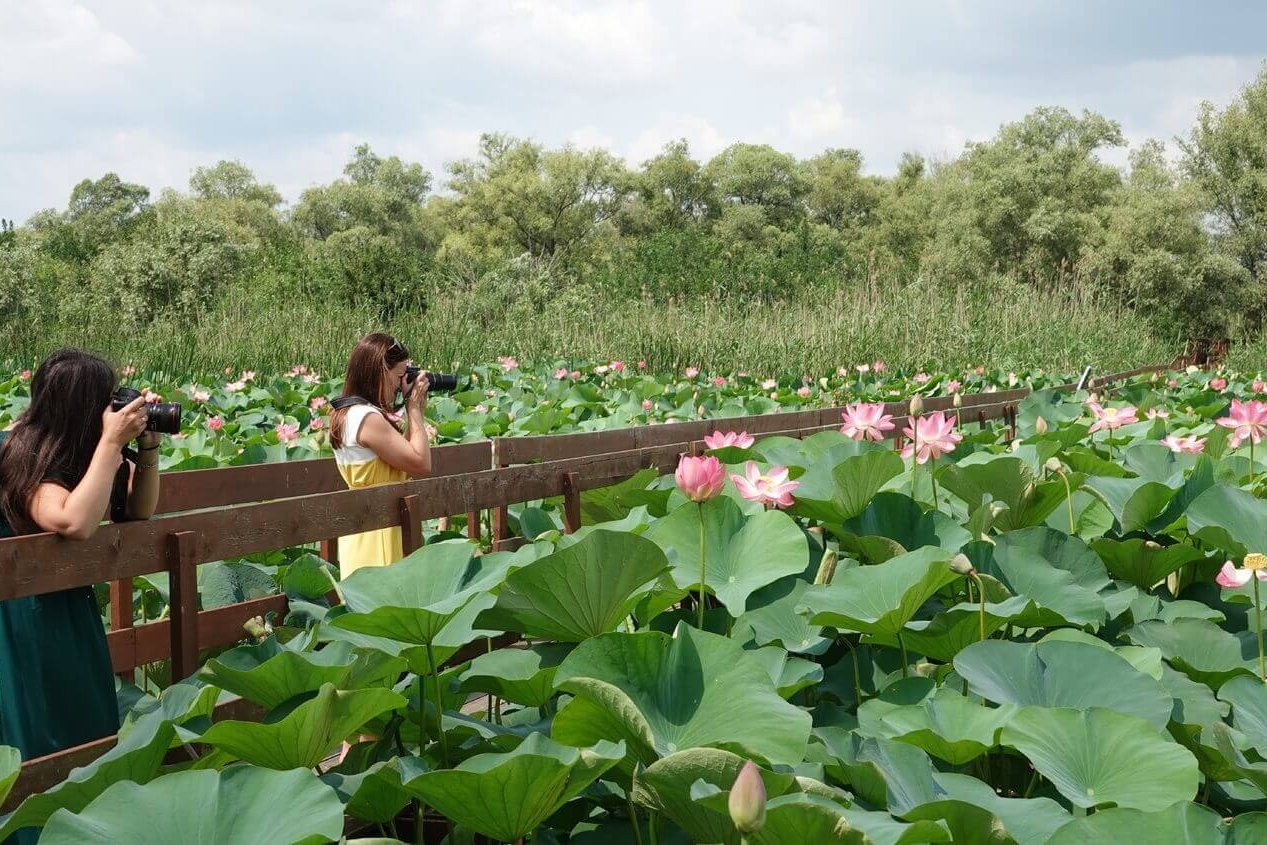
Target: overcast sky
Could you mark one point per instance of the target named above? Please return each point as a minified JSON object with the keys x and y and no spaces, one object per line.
{"x":151,"y":89}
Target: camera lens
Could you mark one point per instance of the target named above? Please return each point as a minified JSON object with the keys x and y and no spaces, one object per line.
{"x":163,"y":417}
{"x":442,"y":382}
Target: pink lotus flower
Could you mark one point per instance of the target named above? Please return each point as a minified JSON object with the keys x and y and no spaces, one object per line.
{"x":150,"y":396}
{"x":922,"y":378}
{"x":575,"y":374}
{"x":561,"y":373}
{"x":953,"y":386}
{"x":508,"y":363}
{"x":1233,"y":576}
{"x":719,"y":382}
{"x":803,"y":392}
{"x":1185,"y":445}
{"x":601,"y":369}
{"x":618,"y":366}
{"x":490,"y":393}
{"x":1248,"y":421}
{"x":287,"y":432}
{"x":215,"y":423}
{"x":866,"y":422}
{"x":980,"y":371}
{"x":180,"y":435}
{"x":129,"y":370}
{"x":318,"y":402}
{"x":647,"y":404}
{"x":298,"y":370}
{"x":25,"y":375}
{"x":480,"y":408}
{"x":877,"y":366}
{"x":772,"y":488}
{"x":862,"y":369}
{"x":1111,"y":418}
{"x":1259,"y":386}
{"x":200,"y":395}
{"x":311,"y":378}
{"x":1218,"y":383}
{"x":642,"y":365}
{"x":718,"y":440}
{"x":235,"y":386}
{"x":317,"y":423}
{"x":1172,"y":383}
{"x":933,"y":434}
{"x":692,"y":372}
{"x":769,"y":384}
{"x":700,"y":479}
{"x":1157,"y":413}
{"x":247,"y":375}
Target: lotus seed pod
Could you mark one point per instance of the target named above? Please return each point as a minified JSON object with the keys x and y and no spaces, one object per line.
{"x":747,"y":800}
{"x":1040,"y":426}
{"x":1094,"y":397}
{"x":917,"y":405}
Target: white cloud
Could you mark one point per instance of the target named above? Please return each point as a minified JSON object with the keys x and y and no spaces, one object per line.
{"x":704,"y":139}
{"x":56,"y":42}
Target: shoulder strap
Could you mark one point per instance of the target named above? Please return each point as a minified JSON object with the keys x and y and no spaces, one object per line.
{"x":347,"y":402}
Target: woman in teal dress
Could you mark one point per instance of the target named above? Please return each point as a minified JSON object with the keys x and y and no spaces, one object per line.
{"x":62,"y":466}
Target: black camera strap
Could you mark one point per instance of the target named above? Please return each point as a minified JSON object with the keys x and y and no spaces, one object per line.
{"x":347,"y":402}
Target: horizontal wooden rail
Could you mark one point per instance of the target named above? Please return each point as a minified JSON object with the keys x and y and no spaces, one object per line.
{"x":222,"y":626}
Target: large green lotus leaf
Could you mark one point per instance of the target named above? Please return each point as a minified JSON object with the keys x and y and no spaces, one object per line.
{"x":774,"y":620}
{"x":894,"y":523}
{"x":188,"y":705}
{"x":1054,"y":593}
{"x":1005,"y":479}
{"x":818,"y":452}
{"x":414,"y":598}
{"x":1135,"y":502}
{"x":789,"y":674}
{"x":975,"y":813}
{"x":834,"y":493}
{"x":1098,"y":756}
{"x":1147,"y":660}
{"x":270,"y":674}
{"x":811,"y":817}
{"x":1195,"y":704}
{"x":1200,"y":649}
{"x":137,"y":757}
{"x":1248,"y":697}
{"x":1142,"y":562}
{"x":580,"y":591}
{"x":607,"y":504}
{"x":884,"y":773}
{"x":665,"y":787}
{"x":1228,"y":744}
{"x":506,"y":796}
{"x":1229,"y":518}
{"x":375,"y":794}
{"x":1062,"y":674}
{"x":10,"y":768}
{"x":520,"y":675}
{"x":1183,"y":823}
{"x":1059,"y":550}
{"x":880,"y":599}
{"x":947,"y":726}
{"x":663,"y":694}
{"x":743,"y":553}
{"x":240,"y":804}
{"x":304,"y":736}
{"x":951,"y":631}
{"x":1092,"y":518}
{"x":1201,"y":478}
{"x":1158,"y":462}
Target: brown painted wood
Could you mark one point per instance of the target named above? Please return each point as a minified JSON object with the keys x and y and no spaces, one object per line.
{"x":136,"y":646}
{"x":571,"y":502}
{"x":473,"y":525}
{"x":410,"y":524}
{"x":121,"y":615}
{"x":330,"y":550}
{"x":182,"y":573}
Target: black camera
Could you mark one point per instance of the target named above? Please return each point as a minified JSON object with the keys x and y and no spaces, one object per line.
{"x":163,"y":417}
{"x":436,"y":382}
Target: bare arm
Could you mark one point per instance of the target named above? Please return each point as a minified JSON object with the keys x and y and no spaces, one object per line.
{"x":77,"y":513}
{"x":411,"y":454}
{"x":143,"y":486}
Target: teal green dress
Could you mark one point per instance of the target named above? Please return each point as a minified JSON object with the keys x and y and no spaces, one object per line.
{"x":56,"y":685}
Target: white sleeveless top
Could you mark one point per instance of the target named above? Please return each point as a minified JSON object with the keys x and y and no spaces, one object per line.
{"x":352,"y":452}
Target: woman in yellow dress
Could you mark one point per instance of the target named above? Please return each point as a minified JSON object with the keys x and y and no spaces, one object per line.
{"x":369,"y":447}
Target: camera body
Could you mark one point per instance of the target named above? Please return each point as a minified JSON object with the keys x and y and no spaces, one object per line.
{"x":436,"y":382}
{"x":163,"y":417}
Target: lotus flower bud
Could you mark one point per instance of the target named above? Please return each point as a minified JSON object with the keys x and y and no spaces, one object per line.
{"x":747,"y":800}
{"x":257,"y":627}
{"x":827,"y":567}
{"x":1040,"y":426}
{"x":957,"y":401}
{"x":1054,"y":465}
{"x":1094,"y":397}
{"x":700,"y":479}
{"x":917,"y":405}
{"x":960,"y":565}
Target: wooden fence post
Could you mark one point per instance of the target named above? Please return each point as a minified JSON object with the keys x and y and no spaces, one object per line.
{"x":182,"y":570}
{"x":571,"y":502}
{"x":121,"y":613}
{"x":473,"y":525}
{"x":330,"y":550}
{"x":410,"y":524}
{"x":501,"y":515}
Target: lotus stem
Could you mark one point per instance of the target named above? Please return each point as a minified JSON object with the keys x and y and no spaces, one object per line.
{"x":1258,"y":614}
{"x":654,"y":826}
{"x":703,"y":566}
{"x":435,"y":675}
{"x":981,"y":591}
{"x":933,"y":478}
{"x":905,"y":660}
{"x":633,"y":812}
{"x":1251,"y":465}
{"x":1073,"y":526}
{"x":1033,"y":782}
{"x":422,"y":715}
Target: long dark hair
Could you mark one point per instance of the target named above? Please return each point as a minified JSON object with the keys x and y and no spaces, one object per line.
{"x":57,"y":435}
{"x":366,"y":376}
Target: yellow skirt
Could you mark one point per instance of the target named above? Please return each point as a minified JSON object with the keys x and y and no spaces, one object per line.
{"x":370,"y":548}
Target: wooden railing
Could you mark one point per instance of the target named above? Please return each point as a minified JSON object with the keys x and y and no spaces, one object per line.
{"x":211,"y":515}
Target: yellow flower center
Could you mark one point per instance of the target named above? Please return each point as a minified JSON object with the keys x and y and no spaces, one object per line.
{"x":1255,"y":561}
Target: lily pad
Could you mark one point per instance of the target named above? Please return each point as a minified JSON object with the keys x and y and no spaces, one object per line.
{"x":880,"y":599}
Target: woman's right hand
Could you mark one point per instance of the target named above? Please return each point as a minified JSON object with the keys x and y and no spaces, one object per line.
{"x":417,"y":399}
{"x":120,"y":427}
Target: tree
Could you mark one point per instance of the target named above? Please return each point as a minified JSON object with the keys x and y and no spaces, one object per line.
{"x":838,"y":194}
{"x":1226,"y":156}
{"x":232,"y":180}
{"x":674,"y":189}
{"x":759,"y":175}
{"x":100,"y":213}
{"x":518,"y":197}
